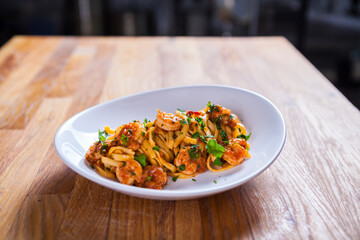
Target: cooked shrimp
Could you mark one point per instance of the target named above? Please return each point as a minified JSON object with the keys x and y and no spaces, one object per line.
{"x":201,"y":165}
{"x":131,"y":136}
{"x":153,"y":177}
{"x":93,"y":154}
{"x":217,"y":112}
{"x":129,"y":173}
{"x":235,"y":152}
{"x":167,"y":121}
{"x":184,"y":163}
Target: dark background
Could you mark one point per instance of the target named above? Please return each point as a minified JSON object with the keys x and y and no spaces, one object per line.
{"x":327,"y":32}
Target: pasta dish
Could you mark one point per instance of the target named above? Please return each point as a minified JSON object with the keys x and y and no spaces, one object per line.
{"x":179,"y":145}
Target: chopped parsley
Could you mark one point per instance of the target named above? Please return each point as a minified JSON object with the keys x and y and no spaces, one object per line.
{"x":214,"y":148}
{"x":182,"y":167}
{"x":223,"y":134}
{"x":145,"y":122}
{"x":196,"y":135}
{"x":182,"y":122}
{"x":193,"y":152}
{"x":92,"y":166}
{"x":215,"y":181}
{"x":175,"y":178}
{"x":156,"y":148}
{"x":148,"y":178}
{"x":217,"y":121}
{"x":246,"y":137}
{"x":217,"y":162}
{"x":189,"y":120}
{"x":102,"y":137}
{"x":143,"y":134}
{"x":181,"y":111}
{"x":194,"y":180}
{"x":141,"y":159}
{"x":124,"y":139}
{"x":201,"y":122}
{"x":231,"y":116}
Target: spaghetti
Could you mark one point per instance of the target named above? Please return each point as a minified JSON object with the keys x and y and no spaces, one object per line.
{"x":179,"y":145}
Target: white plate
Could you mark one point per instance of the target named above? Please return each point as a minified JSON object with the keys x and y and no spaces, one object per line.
{"x":258,"y":114}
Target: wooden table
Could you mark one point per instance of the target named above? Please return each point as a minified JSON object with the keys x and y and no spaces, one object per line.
{"x":311,"y":190}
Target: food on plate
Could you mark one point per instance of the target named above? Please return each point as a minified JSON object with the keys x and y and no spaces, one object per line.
{"x":179,"y":145}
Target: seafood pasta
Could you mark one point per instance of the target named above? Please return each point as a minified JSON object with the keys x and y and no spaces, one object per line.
{"x":179,"y":145}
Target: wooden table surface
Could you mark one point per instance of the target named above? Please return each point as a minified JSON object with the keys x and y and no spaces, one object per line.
{"x":310,"y":192}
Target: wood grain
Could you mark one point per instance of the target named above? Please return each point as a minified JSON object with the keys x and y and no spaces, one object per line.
{"x":310,"y":192}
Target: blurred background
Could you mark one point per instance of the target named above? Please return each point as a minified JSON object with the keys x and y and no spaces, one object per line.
{"x":327,"y":32}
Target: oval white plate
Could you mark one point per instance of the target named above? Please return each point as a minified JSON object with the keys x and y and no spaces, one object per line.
{"x":258,"y":114}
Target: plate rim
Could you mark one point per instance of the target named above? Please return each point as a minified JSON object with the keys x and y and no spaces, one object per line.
{"x":169,"y":194}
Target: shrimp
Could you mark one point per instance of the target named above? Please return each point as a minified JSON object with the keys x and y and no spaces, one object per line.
{"x":217,"y":112}
{"x":167,"y":121}
{"x":153,"y":177}
{"x":184,"y":163}
{"x":129,"y":173}
{"x":94,"y":153}
{"x":235,"y":152}
{"x":131,"y":136}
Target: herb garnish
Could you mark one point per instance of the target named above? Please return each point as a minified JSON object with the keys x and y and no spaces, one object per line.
{"x":201,"y":122}
{"x":182,"y":167}
{"x":193,"y":152}
{"x":223,"y":134}
{"x":214,"y":148}
{"x":156,"y":148}
{"x":217,"y":162}
{"x":141,"y":159}
{"x":102,"y":137}
{"x":189,"y":120}
{"x":145,"y":122}
{"x":194,"y":180}
{"x":92,"y":166}
{"x":175,"y":178}
{"x":246,"y":137}
{"x":148,"y":178}
{"x":124,"y":139}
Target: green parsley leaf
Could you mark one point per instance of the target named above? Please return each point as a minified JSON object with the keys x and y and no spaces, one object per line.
{"x":196,"y":135}
{"x":217,"y":162}
{"x":215,"y":181}
{"x":143,"y":134}
{"x":201,"y":122}
{"x":231,"y":116}
{"x":182,"y":167}
{"x":214,"y":148}
{"x":148,"y":178}
{"x":141,"y":159}
{"x":145,"y":122}
{"x":124,"y":139}
{"x":156,"y":148}
{"x":175,"y":178}
{"x":217,"y":121}
{"x":102,"y":136}
{"x":189,"y":120}
{"x":182,"y":111}
{"x":223,"y":134}
{"x":193,"y":152}
{"x":194,"y":180}
{"x":92,"y":166}
{"x":246,"y":137}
